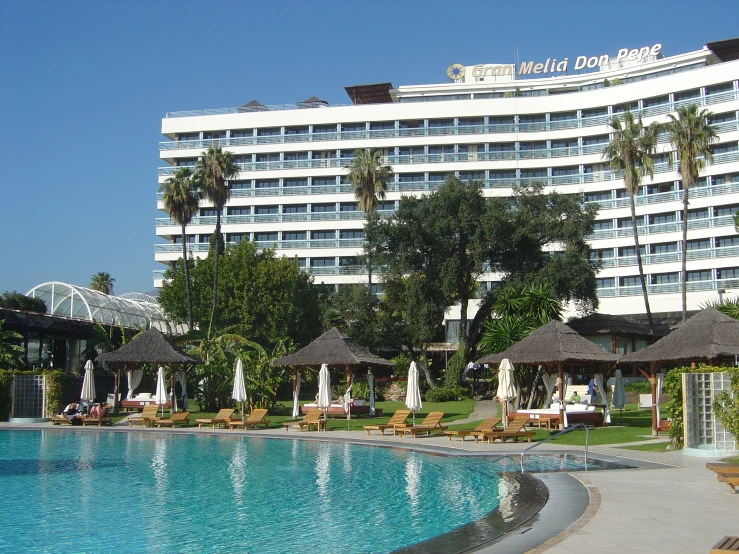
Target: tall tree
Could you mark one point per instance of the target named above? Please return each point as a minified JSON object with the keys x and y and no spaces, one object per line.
{"x":691,"y":136}
{"x":630,"y":151}
{"x":369,"y":179}
{"x":213,"y":170}
{"x":102,"y":282}
{"x":12,"y":354}
{"x":181,"y":196}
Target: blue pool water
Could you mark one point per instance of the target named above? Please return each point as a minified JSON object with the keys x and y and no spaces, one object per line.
{"x":140,"y":492}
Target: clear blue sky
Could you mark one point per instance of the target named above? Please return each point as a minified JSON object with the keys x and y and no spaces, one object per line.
{"x":86,"y":83}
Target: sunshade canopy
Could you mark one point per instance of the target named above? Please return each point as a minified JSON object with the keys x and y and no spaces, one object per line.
{"x":554,"y":342}
{"x":335,"y":349}
{"x":708,"y":335}
{"x":149,"y":347}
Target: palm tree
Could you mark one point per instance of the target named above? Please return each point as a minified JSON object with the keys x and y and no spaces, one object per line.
{"x":691,"y":136}
{"x":630,"y":151}
{"x":102,"y":282}
{"x":369,"y":180}
{"x":213,"y":170}
{"x":181,"y":197}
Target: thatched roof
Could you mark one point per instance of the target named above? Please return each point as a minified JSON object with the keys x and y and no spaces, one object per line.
{"x":708,"y":335}
{"x":149,"y":347}
{"x":335,"y":349}
{"x":607,"y":324}
{"x":552,"y":343}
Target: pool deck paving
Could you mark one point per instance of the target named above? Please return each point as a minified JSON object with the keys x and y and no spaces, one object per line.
{"x":676,"y":505}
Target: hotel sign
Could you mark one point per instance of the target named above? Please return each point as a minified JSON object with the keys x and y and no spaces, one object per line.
{"x":551,"y":65}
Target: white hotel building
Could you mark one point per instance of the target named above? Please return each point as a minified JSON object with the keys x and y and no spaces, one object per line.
{"x":490,"y":124}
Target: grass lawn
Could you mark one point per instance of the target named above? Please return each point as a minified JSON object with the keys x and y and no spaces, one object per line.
{"x":649,"y":447}
{"x":452,"y":411}
{"x":731,"y":460}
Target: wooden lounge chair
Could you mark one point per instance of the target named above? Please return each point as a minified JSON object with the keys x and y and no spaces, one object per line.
{"x":514,"y":430}
{"x":489,"y":424}
{"x":399,"y":418}
{"x":173,"y":420}
{"x":223,"y":417}
{"x":311,"y":419}
{"x":727,"y":544}
{"x":256,"y":417}
{"x":432,"y":422}
{"x":148,"y":414}
{"x":60,"y":419}
{"x":722,"y":468}
{"x":99,"y":421}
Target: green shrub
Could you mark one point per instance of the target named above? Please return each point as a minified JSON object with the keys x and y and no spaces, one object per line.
{"x":54,"y":391}
{"x":641,"y":387}
{"x":446,"y":394}
{"x":6,"y":382}
{"x":401,"y":365}
{"x":454,"y":370}
{"x":726,"y":404}
{"x":360,"y":390}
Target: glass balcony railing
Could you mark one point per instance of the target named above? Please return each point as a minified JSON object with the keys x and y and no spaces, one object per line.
{"x":272,"y":218}
{"x":671,"y":257}
{"x":658,"y":228}
{"x":668,"y":288}
{"x":663,"y":197}
{"x":277,"y":244}
{"x":573,"y":123}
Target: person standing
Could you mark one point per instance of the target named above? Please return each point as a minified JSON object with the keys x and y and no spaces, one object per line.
{"x":592,"y":391}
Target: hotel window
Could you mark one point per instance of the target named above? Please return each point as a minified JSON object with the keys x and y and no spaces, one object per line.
{"x":411,"y":124}
{"x":438,"y":149}
{"x":598,"y":196}
{"x":348,"y":207}
{"x":591,"y":86}
{"x":324,"y":155}
{"x":323,"y":181}
{"x":722,"y":242}
{"x":186,"y":162}
{"x":595,"y":112}
{"x":722,"y":117}
{"x":353,"y":127}
{"x":471,"y":121}
{"x":267,"y":183}
{"x":700,"y":244}
{"x":204,"y":239}
{"x":295,"y":209}
{"x":628,"y":251}
{"x":295,"y":182}
{"x":502,"y":146}
{"x":242,"y":133}
{"x":386,"y":205}
{"x":436,"y":123}
{"x":351,"y":234}
{"x":266,"y":210}
{"x":323,"y":262}
{"x":728,"y":273}
{"x":661,"y":158}
{"x":565,"y":143}
{"x":323,"y":235}
{"x":501,"y":120}
{"x":244,"y":210}
{"x":702,"y":213}
{"x":724,"y":148}
{"x":534,"y":173}
{"x":190,"y":239}
{"x":271,"y":132}
{"x":560,"y":171}
{"x":302,"y":263}
{"x":319,"y":129}
{"x":302,"y":130}
{"x":235,"y":238}
{"x":603,"y":253}
{"x":510,"y":174}
{"x":268,"y":158}
{"x":538,"y":92}
{"x":472,"y":175}
{"x":717,"y":89}
{"x":625,"y":107}
{"x":625,"y":222}
{"x":377,"y":289}
{"x":410,"y":177}
{"x":661,"y":188}
{"x":293,"y":235}
{"x":210,"y":135}
{"x":607,"y":283}
{"x":437,"y":176}
{"x":347,"y":154}
{"x":664,"y":248}
{"x":294,"y":156}
{"x":526,"y":146}
{"x":656,"y":101}
{"x":245,"y":159}
{"x":321,"y":208}
{"x":238,"y":185}
{"x":725,"y":210}
{"x":188,"y":136}
{"x":532,"y":118}
{"x":484,"y":95}
{"x":687,"y":94}
{"x":665,"y":278}
{"x":629,"y":281}
{"x":265,"y":237}
{"x":597,"y":139}
{"x":661,"y":219}
{"x":705,"y":275}
{"x":382,"y":126}
{"x":208,"y":212}
{"x":345,"y":261}
{"x":562,"y":116}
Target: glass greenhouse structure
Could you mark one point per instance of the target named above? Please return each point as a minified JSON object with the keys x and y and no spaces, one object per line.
{"x":133,"y":310}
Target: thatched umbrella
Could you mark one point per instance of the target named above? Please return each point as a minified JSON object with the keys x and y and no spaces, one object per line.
{"x":149,"y":347}
{"x":333,"y":348}
{"x":709,"y":336}
{"x":553,"y":345}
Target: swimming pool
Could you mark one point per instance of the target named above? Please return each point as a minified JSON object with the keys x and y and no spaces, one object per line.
{"x":137,"y":492}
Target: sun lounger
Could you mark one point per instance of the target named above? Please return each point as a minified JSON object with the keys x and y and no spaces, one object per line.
{"x":223,"y":417}
{"x":60,"y":419}
{"x":99,"y":421}
{"x":256,"y":417}
{"x":148,"y":414}
{"x":399,"y":418}
{"x":173,"y":420}
{"x":514,"y":430}
{"x":488,"y":425}
{"x":727,"y":544}
{"x":722,"y":469}
{"x":311,"y":419}
{"x":432,"y":422}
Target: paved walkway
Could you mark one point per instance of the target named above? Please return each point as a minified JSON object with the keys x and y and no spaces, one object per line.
{"x":679,"y":507}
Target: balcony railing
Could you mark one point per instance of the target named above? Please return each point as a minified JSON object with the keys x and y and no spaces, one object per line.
{"x":271,"y":218}
{"x":278,"y":244}
{"x":322,"y":270}
{"x":671,"y":257}
{"x":573,"y":123}
{"x":672,"y":196}
{"x":668,"y":288}
{"x":658,"y":228}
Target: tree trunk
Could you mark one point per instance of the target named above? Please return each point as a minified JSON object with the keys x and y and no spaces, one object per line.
{"x":187,"y":278}
{"x":641,"y":266}
{"x":684,"y":273}
{"x":425,"y":367}
{"x":463,"y":303}
{"x":215,"y":269}
{"x":655,"y":400}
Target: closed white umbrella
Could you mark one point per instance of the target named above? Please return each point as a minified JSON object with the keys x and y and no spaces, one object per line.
{"x":296,"y":395}
{"x":348,"y":401}
{"x":619,"y":393}
{"x":239,"y":391}
{"x":371,"y":385}
{"x":413,"y":391}
{"x":324,"y":390}
{"x":160,"y":398}
{"x":88,"y":384}
{"x":506,"y":387}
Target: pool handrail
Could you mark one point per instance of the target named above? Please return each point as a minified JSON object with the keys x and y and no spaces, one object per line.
{"x":570,"y":428}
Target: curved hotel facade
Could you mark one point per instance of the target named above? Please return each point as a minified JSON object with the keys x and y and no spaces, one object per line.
{"x":500,"y":124}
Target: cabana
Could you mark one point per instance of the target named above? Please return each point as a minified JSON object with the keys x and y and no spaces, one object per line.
{"x":554,"y":346}
{"x":334,"y":349}
{"x":708,"y":337}
{"x":149,"y":347}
